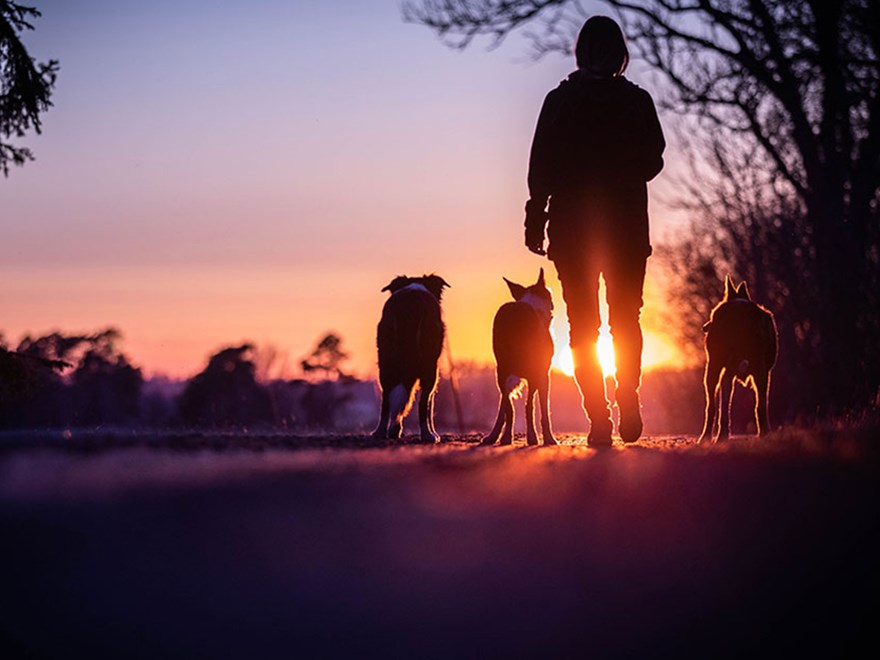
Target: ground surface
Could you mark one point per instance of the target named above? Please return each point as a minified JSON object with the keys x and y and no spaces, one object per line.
{"x":138,"y":546}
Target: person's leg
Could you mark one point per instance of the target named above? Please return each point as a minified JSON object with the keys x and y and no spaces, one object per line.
{"x":580,"y":289}
{"x":624,"y":283}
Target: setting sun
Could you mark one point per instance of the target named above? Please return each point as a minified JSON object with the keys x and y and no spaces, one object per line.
{"x":564,"y":361}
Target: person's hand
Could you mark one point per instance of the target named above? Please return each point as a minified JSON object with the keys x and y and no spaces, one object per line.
{"x":535,"y":240}
{"x":536,"y":219}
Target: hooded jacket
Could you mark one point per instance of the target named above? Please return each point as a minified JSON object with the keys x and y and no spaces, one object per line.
{"x":597,"y":143}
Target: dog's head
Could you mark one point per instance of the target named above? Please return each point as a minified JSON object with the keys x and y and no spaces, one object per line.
{"x":434,"y":284}
{"x":731,"y":293}
{"x":537,"y":295}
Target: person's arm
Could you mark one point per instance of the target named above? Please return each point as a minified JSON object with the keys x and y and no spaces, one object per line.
{"x":654,"y":142}
{"x":540,"y":176}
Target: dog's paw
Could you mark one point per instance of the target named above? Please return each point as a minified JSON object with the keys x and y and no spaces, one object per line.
{"x":488,"y":441}
{"x":395,"y":431}
{"x":506,"y":440}
{"x":429,"y":438}
{"x":705,"y":438}
{"x":379,"y":434}
{"x":550,"y":441}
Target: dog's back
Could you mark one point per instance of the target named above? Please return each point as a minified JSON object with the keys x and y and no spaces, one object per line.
{"x":521,"y":342}
{"x":410,"y":339}
{"x":523,"y":348}
{"x":741,"y":335}
{"x":410,"y":334}
{"x":741,"y":344}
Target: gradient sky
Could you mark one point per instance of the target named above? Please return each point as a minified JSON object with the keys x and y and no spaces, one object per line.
{"x":215,"y":172}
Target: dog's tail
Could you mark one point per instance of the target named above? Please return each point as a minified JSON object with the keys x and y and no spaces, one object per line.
{"x":399,"y":402}
{"x":513,"y":386}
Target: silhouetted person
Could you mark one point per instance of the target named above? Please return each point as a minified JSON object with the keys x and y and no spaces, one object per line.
{"x":597,"y":143}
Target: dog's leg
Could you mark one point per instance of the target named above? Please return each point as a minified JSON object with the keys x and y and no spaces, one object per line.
{"x":761,"y":384}
{"x":726,"y":401}
{"x":543,"y":396}
{"x":428,"y":383}
{"x":531,"y":433}
{"x":381,"y":431}
{"x":399,"y":400}
{"x":710,"y":384}
{"x":431,"y":413}
{"x":507,"y":407}
{"x":499,"y":424}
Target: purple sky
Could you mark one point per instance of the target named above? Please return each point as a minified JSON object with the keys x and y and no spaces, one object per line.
{"x":214,"y":172}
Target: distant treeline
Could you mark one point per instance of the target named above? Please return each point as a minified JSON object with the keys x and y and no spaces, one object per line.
{"x":61,"y":380}
{"x":65,"y":381}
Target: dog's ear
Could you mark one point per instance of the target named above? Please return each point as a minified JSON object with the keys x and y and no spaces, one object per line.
{"x":729,"y":289}
{"x":434,"y":284}
{"x":742,"y":291}
{"x":396,"y":284}
{"x":540,"y":281}
{"x":516,"y":290}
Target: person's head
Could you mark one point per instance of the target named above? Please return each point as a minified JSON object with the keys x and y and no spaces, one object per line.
{"x":600,"y":48}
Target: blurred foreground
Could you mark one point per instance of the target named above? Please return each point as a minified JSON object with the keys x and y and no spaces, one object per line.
{"x":236,"y":545}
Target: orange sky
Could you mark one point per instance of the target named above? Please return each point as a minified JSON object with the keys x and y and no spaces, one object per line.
{"x":259,"y":171}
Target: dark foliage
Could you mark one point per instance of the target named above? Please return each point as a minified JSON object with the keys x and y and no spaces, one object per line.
{"x":25,"y":85}
{"x":106,"y":387}
{"x":327,"y":357}
{"x":100,"y":388}
{"x":226,"y":393}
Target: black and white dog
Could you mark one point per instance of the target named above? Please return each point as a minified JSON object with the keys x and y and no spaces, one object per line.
{"x":410,"y":340}
{"x":523,"y":348}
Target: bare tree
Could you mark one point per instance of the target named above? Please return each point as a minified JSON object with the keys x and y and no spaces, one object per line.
{"x":793,"y":85}
{"x":25,"y":86}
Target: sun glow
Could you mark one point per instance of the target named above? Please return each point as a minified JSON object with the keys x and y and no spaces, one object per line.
{"x":564,"y":361}
{"x":605,"y":351}
{"x":657,"y":351}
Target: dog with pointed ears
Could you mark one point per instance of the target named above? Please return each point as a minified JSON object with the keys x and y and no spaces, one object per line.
{"x":741,"y":345}
{"x":410,"y":339}
{"x":523,"y":348}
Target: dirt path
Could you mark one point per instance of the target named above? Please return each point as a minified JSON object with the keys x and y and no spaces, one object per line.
{"x":272,"y":546}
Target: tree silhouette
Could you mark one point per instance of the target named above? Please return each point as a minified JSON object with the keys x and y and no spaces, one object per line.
{"x":106,"y":387}
{"x":102,"y":388}
{"x":25,"y":86}
{"x":20,"y":372}
{"x":226,"y":393}
{"x":783,"y":90}
{"x":326,"y":358}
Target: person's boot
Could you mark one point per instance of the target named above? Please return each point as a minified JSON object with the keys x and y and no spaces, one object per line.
{"x":600,"y":432}
{"x":591,"y":383}
{"x":630,"y":422}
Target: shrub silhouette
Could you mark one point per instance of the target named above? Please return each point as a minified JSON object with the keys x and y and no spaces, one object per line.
{"x":226,"y":393}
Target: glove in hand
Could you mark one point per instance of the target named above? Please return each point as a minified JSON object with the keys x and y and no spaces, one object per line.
{"x":536,"y":219}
